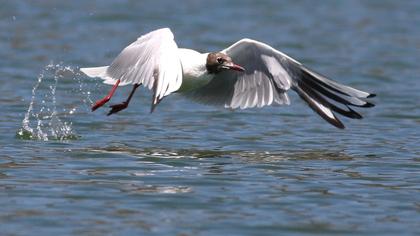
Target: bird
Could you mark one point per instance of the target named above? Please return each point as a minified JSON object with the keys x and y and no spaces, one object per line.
{"x":247,"y":74}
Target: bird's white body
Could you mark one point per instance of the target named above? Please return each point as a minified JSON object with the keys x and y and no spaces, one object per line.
{"x":194,"y":72}
{"x":193,"y":63}
{"x":264,"y":77}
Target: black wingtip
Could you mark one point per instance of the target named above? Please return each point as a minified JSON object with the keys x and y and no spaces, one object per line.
{"x":153,"y":106}
{"x":353,"y":114}
{"x":313,"y":105}
{"x":339,"y":125}
{"x":155,"y":102}
{"x":372,"y":95}
{"x":152,"y":109}
{"x":368,"y":104}
{"x":334,"y":121}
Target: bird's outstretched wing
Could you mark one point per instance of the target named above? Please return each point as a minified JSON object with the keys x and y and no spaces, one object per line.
{"x":152,"y":61}
{"x":269,"y":75}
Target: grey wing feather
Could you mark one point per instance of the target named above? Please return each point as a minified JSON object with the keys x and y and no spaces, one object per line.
{"x":269,"y":75}
{"x":263,"y":83}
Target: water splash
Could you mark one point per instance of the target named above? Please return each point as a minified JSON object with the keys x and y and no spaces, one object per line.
{"x":42,"y":121}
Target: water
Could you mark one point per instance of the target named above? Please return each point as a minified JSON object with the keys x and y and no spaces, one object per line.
{"x":189,"y":169}
{"x":46,"y":119}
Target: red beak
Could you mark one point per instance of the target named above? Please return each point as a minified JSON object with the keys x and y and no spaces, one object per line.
{"x":236,"y":67}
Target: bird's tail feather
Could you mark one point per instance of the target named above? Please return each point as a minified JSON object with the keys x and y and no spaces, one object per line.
{"x":95,"y":71}
{"x":101,"y":72}
{"x":325,"y":97}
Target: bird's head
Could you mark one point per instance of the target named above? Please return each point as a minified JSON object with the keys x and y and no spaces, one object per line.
{"x":218,"y":62}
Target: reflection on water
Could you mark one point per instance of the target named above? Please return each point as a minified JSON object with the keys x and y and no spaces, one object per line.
{"x":141,"y":189}
{"x":250,"y":156}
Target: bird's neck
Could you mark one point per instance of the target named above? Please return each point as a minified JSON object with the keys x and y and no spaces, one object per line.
{"x":195,"y":74}
{"x":193,"y":64}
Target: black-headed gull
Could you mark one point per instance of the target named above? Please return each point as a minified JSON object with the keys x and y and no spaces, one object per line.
{"x":261,"y":77}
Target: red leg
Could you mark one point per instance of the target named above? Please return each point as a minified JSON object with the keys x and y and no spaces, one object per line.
{"x":121,"y":106}
{"x":104,"y":100}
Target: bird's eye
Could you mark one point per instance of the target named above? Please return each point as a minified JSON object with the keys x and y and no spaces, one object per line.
{"x":219,"y":60}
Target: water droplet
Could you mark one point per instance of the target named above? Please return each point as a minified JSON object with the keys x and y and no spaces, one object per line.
{"x":46,"y":119}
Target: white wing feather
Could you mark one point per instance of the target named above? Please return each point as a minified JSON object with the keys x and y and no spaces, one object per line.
{"x":269,"y":75}
{"x":264,"y":82}
{"x":152,"y":61}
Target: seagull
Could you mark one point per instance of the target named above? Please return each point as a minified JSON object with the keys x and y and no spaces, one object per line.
{"x":247,"y":74}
